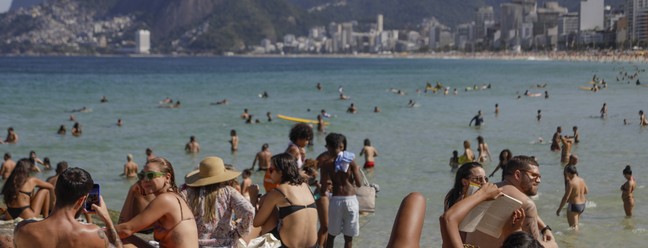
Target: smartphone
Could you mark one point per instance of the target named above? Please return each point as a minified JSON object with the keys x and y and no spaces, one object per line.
{"x":93,"y":197}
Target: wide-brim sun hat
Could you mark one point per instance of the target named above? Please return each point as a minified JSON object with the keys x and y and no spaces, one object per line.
{"x":211,"y":170}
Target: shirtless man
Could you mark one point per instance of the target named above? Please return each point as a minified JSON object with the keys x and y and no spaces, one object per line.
{"x":130,"y":168}
{"x":642,"y":119}
{"x":555,"y":140}
{"x":575,"y":192}
{"x":604,"y":111}
{"x":263,"y":157}
{"x":566,"y":148}
{"x":7,"y":166}
{"x":192,"y":146}
{"x":521,"y":181}
{"x":370,"y":153}
{"x":345,"y":177}
{"x":61,"y":229}
{"x":245,"y":114}
{"x":12,"y":137}
{"x":352,"y":109}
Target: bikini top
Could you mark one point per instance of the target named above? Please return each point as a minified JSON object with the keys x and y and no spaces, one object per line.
{"x":161,"y":232}
{"x":26,"y":193}
{"x":288,"y":210}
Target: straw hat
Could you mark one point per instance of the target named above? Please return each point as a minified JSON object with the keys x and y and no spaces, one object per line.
{"x":212,"y":170}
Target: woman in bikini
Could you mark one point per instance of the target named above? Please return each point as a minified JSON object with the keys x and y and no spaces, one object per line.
{"x":627,"y":191}
{"x":18,"y":192}
{"x":171,"y":218}
{"x":294,"y":203}
{"x":482,"y":148}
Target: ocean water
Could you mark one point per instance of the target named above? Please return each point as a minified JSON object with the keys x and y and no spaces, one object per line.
{"x":37,"y":95}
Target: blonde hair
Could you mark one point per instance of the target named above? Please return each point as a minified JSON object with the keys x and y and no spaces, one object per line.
{"x":212,"y":191}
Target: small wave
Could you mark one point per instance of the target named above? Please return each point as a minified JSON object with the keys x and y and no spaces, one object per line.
{"x":590,"y":204}
{"x":639,"y":231}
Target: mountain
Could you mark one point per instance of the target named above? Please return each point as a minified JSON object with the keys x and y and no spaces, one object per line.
{"x":207,"y":26}
{"x":400,"y":14}
{"x":16,"y":4}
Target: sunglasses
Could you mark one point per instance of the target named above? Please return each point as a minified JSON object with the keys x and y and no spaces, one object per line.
{"x":149,"y":175}
{"x":531,"y":175}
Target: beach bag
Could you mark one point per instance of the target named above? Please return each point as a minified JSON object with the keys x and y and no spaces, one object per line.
{"x":366,"y":195}
{"x":263,"y":241}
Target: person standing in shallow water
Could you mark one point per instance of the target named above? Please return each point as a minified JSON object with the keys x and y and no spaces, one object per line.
{"x":233,"y":141}
{"x":192,"y":146}
{"x":575,"y":192}
{"x":369,"y":153}
{"x":555,"y":140}
{"x":478,"y":119}
{"x":627,"y":191}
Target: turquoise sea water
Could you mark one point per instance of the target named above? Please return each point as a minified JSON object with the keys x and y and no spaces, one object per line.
{"x":36,"y":95}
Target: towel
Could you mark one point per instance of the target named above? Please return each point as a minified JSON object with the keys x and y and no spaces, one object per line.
{"x":343,"y":160}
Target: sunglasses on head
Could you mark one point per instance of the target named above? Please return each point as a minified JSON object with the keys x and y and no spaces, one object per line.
{"x":149,"y":175}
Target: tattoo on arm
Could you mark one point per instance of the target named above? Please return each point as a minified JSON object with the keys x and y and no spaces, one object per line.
{"x":110,"y":237}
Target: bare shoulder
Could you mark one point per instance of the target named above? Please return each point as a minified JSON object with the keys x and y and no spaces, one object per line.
{"x":90,"y":235}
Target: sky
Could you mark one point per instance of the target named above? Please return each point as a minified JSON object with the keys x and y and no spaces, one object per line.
{"x":4,"y":5}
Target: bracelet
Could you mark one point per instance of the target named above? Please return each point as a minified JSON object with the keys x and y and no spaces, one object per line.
{"x":547,"y":227}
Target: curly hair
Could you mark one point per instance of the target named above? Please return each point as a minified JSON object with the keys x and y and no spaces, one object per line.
{"x":301,"y":131}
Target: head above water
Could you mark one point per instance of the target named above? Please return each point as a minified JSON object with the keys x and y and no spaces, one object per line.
{"x":627,"y":170}
{"x":367,"y":142}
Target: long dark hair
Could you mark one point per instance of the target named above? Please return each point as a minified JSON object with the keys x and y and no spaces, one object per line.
{"x":456,"y":192}
{"x":287,"y":164}
{"x":18,"y":177}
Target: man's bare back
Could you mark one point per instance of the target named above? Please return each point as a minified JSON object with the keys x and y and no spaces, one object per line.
{"x":263,"y":158}
{"x":7,"y":168}
{"x":369,"y":153}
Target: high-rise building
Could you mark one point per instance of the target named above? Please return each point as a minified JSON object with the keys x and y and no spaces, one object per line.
{"x":484,"y":18}
{"x":142,"y":41}
{"x":635,"y":11}
{"x":379,"y":23}
{"x":568,"y":23}
{"x":591,"y":15}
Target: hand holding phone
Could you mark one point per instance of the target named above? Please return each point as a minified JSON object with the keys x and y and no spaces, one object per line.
{"x":93,"y":198}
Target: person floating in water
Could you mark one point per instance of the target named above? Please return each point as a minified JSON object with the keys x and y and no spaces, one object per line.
{"x":478,"y":119}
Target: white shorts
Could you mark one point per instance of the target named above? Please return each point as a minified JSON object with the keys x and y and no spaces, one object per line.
{"x":344,"y":216}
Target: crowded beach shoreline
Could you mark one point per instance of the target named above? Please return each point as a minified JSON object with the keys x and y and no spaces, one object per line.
{"x":605,"y":56}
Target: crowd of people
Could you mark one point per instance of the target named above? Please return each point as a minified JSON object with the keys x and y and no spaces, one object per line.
{"x":211,"y":208}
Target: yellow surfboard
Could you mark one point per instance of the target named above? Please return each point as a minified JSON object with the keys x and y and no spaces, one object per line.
{"x":302,"y":120}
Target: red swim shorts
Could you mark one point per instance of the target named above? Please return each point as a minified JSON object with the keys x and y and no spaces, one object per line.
{"x":369,"y":164}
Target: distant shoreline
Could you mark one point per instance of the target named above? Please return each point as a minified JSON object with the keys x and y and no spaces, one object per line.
{"x":624,"y":56}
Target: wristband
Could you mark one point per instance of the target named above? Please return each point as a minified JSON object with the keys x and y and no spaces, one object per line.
{"x":547,"y":227}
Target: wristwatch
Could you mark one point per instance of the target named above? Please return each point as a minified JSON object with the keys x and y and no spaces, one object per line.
{"x":544,"y":229}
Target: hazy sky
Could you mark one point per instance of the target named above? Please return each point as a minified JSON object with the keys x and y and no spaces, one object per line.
{"x":4,"y":5}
